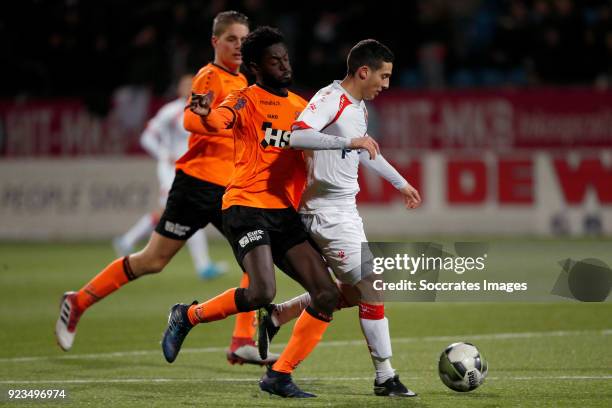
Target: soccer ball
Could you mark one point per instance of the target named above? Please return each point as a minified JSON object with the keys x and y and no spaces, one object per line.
{"x":461,"y":367}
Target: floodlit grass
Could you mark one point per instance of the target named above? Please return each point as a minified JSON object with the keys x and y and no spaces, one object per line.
{"x":539,"y":354}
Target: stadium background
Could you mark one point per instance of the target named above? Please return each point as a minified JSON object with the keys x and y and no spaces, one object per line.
{"x":500,"y":112}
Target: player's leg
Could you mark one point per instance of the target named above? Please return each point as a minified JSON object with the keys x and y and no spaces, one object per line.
{"x":374,"y":324}
{"x":261,"y":290}
{"x":246,"y":231}
{"x":339,"y":236}
{"x":124,"y":244}
{"x":198,"y":249}
{"x":179,"y":221}
{"x":375,"y":328}
{"x":351,"y":262}
{"x":296,"y":257}
{"x":153,"y":258}
{"x":271,"y":317}
{"x":242,"y":348}
{"x":308,"y":268}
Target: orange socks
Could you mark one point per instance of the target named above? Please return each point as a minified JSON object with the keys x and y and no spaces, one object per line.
{"x":115,"y":275}
{"x":307,"y":333}
{"x":217,"y":308}
{"x":245,"y":322}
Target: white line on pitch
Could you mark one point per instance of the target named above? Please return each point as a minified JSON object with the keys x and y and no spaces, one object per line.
{"x":336,"y":343}
{"x":249,"y":380}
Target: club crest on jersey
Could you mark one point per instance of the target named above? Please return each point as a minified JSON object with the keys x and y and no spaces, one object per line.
{"x":275,"y":137}
{"x":240,"y":103}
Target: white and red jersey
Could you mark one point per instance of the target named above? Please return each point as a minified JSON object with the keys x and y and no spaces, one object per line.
{"x":332,"y":174}
{"x":166,"y":139}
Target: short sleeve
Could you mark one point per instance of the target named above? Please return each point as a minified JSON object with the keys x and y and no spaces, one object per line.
{"x":319,"y":113}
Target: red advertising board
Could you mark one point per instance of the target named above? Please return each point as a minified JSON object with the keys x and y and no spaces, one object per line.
{"x":493,"y":120}
{"x":498,"y":120}
{"x":65,"y":128}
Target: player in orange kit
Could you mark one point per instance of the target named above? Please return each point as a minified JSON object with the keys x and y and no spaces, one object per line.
{"x":259,"y":211}
{"x":194,"y":200}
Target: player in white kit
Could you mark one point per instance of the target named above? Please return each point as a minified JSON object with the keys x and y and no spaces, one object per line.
{"x":165,"y":139}
{"x":334,"y":116}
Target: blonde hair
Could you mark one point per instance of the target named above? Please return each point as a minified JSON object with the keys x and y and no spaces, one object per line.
{"x":227,"y":18}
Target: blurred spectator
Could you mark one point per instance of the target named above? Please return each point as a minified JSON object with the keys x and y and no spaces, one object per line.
{"x":85,"y":49}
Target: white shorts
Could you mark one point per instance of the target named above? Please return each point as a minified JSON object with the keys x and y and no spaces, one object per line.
{"x":165,"y":175}
{"x":339,"y":235}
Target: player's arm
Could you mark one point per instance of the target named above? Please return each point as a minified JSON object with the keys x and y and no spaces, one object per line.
{"x":310,"y":139}
{"x":205,"y":94}
{"x":208,"y":119}
{"x":384,"y":169}
{"x":321,"y":111}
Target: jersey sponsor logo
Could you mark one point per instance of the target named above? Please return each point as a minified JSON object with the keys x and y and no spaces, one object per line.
{"x":345,"y":152}
{"x":240,"y":103}
{"x":275,"y":137}
{"x":312,"y":107}
{"x":272,"y":116}
{"x":269,"y":103}
{"x":252,"y":236}
{"x":176,"y":229}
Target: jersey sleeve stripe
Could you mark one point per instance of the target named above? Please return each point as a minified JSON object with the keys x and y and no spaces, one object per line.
{"x":300,"y":125}
{"x":344,"y":102}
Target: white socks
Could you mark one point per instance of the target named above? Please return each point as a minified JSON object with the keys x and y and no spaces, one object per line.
{"x":142,"y":229}
{"x":198,"y":248}
{"x":290,"y":309}
{"x":376,"y":332}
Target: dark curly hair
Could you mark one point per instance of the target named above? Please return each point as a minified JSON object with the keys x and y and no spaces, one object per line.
{"x":257,"y":41}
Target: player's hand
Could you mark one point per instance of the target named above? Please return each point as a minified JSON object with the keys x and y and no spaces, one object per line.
{"x":200,"y":104}
{"x":367,"y":143}
{"x":412,"y":199}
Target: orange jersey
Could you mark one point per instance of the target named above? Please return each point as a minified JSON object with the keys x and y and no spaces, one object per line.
{"x":211,"y":153}
{"x":267,"y":172}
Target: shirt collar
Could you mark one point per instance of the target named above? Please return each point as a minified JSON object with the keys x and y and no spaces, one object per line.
{"x":338,"y":84}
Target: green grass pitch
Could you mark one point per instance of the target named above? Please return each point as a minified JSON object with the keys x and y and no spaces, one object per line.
{"x":549,"y":355}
